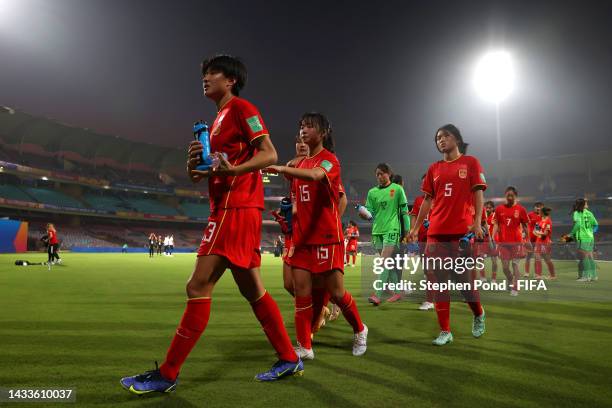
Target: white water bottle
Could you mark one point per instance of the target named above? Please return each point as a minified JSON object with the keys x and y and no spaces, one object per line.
{"x":364,"y":212}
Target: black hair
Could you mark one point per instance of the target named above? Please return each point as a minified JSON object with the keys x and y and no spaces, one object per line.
{"x":453,"y":130}
{"x":491,"y":203}
{"x":397,"y":179}
{"x":231,"y":67}
{"x":385,"y":168}
{"x":579,"y":205}
{"x":319,"y":121}
{"x":546,"y":211}
{"x":353,"y":223}
{"x":511,"y":188}
{"x":538,"y":204}
{"x":423,"y":176}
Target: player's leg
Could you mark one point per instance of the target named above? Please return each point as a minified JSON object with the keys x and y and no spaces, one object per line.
{"x":334,"y":281}
{"x":472,"y":298}
{"x":549,"y":264}
{"x":494,"y":268}
{"x":288,"y":279}
{"x":377,"y":243}
{"x":538,"y":263}
{"x":302,"y":285}
{"x":267,"y":312}
{"x":530,"y":254}
{"x":56,"y":253}
{"x":207,"y":271}
{"x":439,"y":250}
{"x":320,"y":298}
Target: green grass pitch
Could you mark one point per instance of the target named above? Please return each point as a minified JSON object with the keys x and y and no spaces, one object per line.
{"x":99,"y":317}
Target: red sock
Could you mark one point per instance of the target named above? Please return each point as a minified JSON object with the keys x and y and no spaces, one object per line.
{"x":354,"y":258}
{"x":303,"y":320}
{"x":551,"y":267}
{"x":429,"y":294}
{"x":190,"y":329}
{"x":538,"y":267}
{"x":269,"y":316}
{"x":318,"y":301}
{"x":494,"y":271}
{"x":349,"y":310}
{"x":528,"y":265}
{"x":443,"y":312}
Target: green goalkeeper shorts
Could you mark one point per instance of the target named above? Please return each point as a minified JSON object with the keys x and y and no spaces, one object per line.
{"x":586,"y":246}
{"x":385,"y":240}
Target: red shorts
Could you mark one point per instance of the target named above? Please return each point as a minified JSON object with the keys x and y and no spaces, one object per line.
{"x":543,"y":248}
{"x":509,"y":251}
{"x":319,"y":258}
{"x":351,"y":246}
{"x":235,"y":234}
{"x":443,"y":246}
{"x":286,"y":249}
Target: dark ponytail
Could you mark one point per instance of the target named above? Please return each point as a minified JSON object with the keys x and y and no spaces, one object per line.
{"x":453,"y":130}
{"x":579,"y":205}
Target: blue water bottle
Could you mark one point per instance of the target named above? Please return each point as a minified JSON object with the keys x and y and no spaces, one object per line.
{"x":464,"y":242}
{"x":200,"y":133}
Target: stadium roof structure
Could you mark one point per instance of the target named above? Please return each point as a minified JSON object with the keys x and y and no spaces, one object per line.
{"x":25,"y":133}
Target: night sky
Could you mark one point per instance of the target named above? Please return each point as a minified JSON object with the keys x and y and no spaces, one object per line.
{"x":387,"y":74}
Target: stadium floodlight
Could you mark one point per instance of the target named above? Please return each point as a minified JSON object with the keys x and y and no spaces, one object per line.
{"x":494,"y":81}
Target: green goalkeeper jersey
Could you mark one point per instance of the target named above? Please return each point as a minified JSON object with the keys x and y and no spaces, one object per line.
{"x":584,"y":223}
{"x":388,"y":206}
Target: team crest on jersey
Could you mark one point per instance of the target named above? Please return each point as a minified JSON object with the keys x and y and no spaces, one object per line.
{"x":217,"y":128}
{"x":462,"y":173}
{"x":391,"y":193}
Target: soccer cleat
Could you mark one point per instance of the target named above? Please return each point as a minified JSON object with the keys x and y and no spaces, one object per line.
{"x":281,"y":369}
{"x":582,"y":280}
{"x":148,"y":382}
{"x":445,"y":337}
{"x":394,"y":298}
{"x":374,"y":300}
{"x":426,"y":306}
{"x":360,"y":342}
{"x":514,"y":292}
{"x":525,"y":275}
{"x":478,"y":325}
{"x":304,"y":353}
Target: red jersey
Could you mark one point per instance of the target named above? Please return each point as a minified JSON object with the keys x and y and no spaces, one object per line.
{"x":490,"y":221}
{"x":238,"y":123}
{"x":451,"y":184}
{"x":318,"y":221}
{"x":52,"y":237}
{"x":509,"y":220}
{"x":534,"y":218}
{"x":545,"y":226}
{"x":416,"y":207}
{"x":352,"y":233}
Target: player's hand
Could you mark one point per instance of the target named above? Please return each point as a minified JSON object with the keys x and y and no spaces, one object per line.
{"x":194,"y":150}
{"x":295,"y":161}
{"x":477,"y":230}
{"x":225,"y":168}
{"x":197,"y":175}
{"x":413,"y":235}
{"x":274,"y":169}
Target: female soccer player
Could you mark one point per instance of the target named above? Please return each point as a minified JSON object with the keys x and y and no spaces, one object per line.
{"x":534,"y":218}
{"x":53,"y":256}
{"x":352,"y":232}
{"x":236,"y":200}
{"x":453,"y":190}
{"x":490,"y":211}
{"x":388,"y":205}
{"x":585,"y":225}
{"x":317,"y":234}
{"x":542,"y":249}
{"x":509,"y":225}
{"x":152,"y":244}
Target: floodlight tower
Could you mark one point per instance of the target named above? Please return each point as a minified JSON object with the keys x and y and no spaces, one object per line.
{"x":494,"y":81}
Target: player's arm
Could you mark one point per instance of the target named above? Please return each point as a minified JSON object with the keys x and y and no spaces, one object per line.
{"x":314,"y":174}
{"x":495,"y":226}
{"x":369,"y":205}
{"x":265,"y":156}
{"x":423,"y":211}
{"x":476,"y":227}
{"x":403,"y":208}
{"x":342,"y":204}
